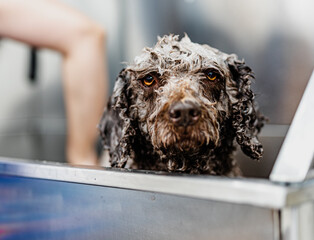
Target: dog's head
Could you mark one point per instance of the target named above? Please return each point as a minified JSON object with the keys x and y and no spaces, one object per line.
{"x":183,"y":97}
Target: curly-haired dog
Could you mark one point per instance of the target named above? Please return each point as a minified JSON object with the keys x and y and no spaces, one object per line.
{"x":179,"y":107}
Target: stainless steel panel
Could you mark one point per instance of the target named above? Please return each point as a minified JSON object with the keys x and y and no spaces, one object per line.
{"x":49,"y":147}
{"x":43,"y":209}
{"x":261,"y":168}
{"x":297,"y":222}
{"x":54,"y":201}
{"x":297,"y":152}
{"x":254,"y":192}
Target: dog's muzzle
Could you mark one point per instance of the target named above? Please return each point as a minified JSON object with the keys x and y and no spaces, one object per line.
{"x":184,"y":114}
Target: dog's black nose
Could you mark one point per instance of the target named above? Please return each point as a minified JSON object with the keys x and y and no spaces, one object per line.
{"x":184,"y":113}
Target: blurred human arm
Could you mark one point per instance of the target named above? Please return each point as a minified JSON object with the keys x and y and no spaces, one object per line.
{"x":81,"y":41}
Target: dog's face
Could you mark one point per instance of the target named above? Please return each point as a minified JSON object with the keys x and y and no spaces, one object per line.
{"x":182,"y":96}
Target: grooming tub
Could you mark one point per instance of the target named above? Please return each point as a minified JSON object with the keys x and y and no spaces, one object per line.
{"x":42,"y":200}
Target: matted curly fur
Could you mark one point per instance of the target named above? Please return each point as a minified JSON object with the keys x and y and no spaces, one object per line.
{"x":180,"y":107}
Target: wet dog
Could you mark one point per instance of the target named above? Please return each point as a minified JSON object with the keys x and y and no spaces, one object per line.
{"x":181,"y":107}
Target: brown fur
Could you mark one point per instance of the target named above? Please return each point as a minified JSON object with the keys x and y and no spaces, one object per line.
{"x":136,"y":126}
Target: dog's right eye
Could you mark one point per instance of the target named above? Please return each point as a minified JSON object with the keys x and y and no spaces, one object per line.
{"x":211,"y":75}
{"x":149,"y":80}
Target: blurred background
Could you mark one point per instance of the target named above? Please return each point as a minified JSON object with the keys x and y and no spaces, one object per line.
{"x":276,"y":39}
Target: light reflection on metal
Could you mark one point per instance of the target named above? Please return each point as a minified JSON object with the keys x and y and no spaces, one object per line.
{"x":296,"y":154}
{"x":241,"y":191}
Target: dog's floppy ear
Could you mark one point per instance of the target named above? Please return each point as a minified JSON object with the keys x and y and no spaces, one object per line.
{"x":246,"y":119}
{"x":115,"y":125}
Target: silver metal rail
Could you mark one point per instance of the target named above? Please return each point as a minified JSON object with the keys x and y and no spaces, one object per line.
{"x":296,"y":154}
{"x":257,"y":192}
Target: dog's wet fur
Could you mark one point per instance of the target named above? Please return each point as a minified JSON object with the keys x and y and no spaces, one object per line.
{"x":181,"y":107}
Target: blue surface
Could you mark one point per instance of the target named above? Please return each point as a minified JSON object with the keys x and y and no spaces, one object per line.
{"x":34,"y":209}
{"x":43,"y":209}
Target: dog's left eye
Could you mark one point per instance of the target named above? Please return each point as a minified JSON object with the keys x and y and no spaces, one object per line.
{"x":212,"y":76}
{"x":149,"y":80}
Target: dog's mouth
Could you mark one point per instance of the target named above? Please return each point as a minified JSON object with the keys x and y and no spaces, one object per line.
{"x":184,"y":137}
{"x":188,"y":139}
